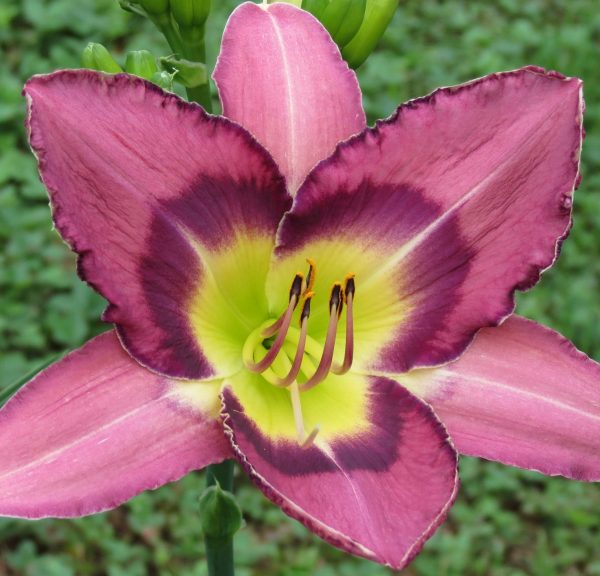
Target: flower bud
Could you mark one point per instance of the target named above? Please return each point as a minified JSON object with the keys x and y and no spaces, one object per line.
{"x":141,"y":63}
{"x":342,"y":18}
{"x":190,"y":13}
{"x":378,"y":15}
{"x":97,"y":57}
{"x":154,"y":7}
{"x":187,"y":73}
{"x":220,"y":514}
{"x":164,"y":80}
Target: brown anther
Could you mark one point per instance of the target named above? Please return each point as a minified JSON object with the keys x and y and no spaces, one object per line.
{"x":306,"y":307}
{"x":296,"y":287}
{"x":336,"y":297}
{"x":310,"y":277}
{"x":349,"y":286}
{"x":297,"y":363}
{"x":294,"y":298}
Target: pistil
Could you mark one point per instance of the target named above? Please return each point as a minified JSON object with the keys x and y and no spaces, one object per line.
{"x":304,"y":440}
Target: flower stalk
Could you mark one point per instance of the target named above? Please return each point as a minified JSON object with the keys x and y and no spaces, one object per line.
{"x":221,"y":518}
{"x":190,"y":17}
{"x":182,"y":23}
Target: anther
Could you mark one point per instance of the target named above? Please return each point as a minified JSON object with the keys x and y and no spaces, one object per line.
{"x":311,"y":276}
{"x":336,"y":297}
{"x":281,"y":326}
{"x":335,"y":303}
{"x":295,"y":291}
{"x":296,"y":287}
{"x":306,"y":307}
{"x":349,"y":289}
{"x":297,"y":363}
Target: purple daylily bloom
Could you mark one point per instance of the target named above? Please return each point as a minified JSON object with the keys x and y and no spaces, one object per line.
{"x":344,"y":386}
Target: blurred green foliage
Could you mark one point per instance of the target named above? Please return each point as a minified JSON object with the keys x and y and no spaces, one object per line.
{"x":506,"y":521}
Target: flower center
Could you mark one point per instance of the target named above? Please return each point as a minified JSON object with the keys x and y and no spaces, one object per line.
{"x":288,"y":357}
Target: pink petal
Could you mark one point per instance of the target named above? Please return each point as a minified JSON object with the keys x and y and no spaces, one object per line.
{"x":378,"y":493}
{"x":94,"y":430}
{"x":141,"y":184}
{"x":458,"y":200}
{"x":282,"y":77}
{"x":523,"y":395}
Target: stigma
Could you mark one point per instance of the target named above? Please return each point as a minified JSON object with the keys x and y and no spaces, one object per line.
{"x":293,"y":359}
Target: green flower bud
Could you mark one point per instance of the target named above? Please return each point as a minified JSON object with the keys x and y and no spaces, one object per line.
{"x":187,"y":73}
{"x":294,"y":2}
{"x":141,"y":63}
{"x":97,"y":57}
{"x":164,"y":80}
{"x":378,"y":15}
{"x":220,"y":514}
{"x":342,"y":18}
{"x":154,"y":7}
{"x":190,"y":13}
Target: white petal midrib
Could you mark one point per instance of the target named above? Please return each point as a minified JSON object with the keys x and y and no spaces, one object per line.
{"x":291,"y":107}
{"x":514,"y":389}
{"x":421,"y":236}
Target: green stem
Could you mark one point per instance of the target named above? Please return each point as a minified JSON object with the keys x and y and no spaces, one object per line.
{"x":221,"y":473}
{"x":194,"y":49}
{"x":219,"y":551}
{"x":219,"y":556}
{"x":167,"y":28}
{"x":201,"y":95}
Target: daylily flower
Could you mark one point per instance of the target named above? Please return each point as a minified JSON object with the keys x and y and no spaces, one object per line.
{"x":299,"y":292}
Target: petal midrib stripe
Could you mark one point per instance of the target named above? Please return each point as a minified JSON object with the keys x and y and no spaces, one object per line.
{"x":420,"y":237}
{"x":49,"y":456}
{"x":519,"y":391}
{"x":290,"y":103}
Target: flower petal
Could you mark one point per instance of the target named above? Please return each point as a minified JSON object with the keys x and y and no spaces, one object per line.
{"x":95,"y":429}
{"x":523,"y":395}
{"x":150,"y":191}
{"x":282,"y":77}
{"x":379,"y":478}
{"x":441,"y":212}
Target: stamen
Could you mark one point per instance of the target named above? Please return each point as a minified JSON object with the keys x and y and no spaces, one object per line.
{"x":295,"y":369}
{"x":295,"y":291}
{"x":304,"y":440}
{"x":349,"y":289}
{"x":335,"y":303}
{"x":282,"y":325}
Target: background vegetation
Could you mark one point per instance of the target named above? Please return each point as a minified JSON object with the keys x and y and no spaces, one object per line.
{"x":506,"y":521}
